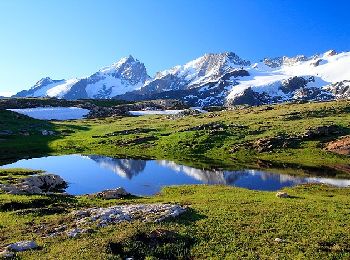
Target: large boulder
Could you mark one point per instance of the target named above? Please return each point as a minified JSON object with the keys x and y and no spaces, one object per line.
{"x":36,"y":184}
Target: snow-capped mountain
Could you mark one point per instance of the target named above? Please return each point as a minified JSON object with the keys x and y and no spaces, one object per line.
{"x":213,"y":79}
{"x":125,"y":168}
{"x":320,"y":77}
{"x":126,"y":75}
{"x":203,"y":81}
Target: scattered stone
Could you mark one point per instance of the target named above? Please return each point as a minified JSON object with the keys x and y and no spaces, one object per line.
{"x":112,"y":193}
{"x":6,"y":132}
{"x":22,"y":246}
{"x":213,"y":127}
{"x":47,"y":132}
{"x":36,"y":184}
{"x":75,"y":232}
{"x":282,"y":195}
{"x":24,"y":133}
{"x":279,"y":240}
{"x":6,"y":254}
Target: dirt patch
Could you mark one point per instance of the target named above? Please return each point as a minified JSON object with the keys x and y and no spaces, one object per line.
{"x":340,"y":146}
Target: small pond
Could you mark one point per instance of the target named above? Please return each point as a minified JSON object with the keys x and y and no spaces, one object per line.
{"x":53,"y":113}
{"x":89,"y":174}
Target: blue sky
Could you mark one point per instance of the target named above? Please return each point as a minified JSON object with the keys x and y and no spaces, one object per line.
{"x":66,"y":38}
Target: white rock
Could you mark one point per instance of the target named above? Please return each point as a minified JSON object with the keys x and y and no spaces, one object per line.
{"x":279,"y":240}
{"x":75,"y":232}
{"x":22,"y":246}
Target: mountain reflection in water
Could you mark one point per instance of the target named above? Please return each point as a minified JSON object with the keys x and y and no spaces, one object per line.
{"x":125,"y":168}
{"x":128,"y":168}
{"x":88,"y":174}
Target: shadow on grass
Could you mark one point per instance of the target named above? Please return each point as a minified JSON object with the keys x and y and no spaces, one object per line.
{"x":25,"y":139}
{"x":157,"y":244}
{"x":324,"y":171}
{"x":38,"y":205}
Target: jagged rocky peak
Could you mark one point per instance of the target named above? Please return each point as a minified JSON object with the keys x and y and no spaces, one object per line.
{"x":127,"y":68}
{"x":208,"y":66}
{"x":218,"y":61}
{"x":284,"y":61}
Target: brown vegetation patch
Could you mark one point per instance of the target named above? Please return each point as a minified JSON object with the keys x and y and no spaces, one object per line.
{"x":340,"y":146}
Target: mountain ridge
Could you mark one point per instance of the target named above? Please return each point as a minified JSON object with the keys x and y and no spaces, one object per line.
{"x":212,"y":79}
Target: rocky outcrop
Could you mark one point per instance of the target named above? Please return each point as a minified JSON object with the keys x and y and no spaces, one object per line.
{"x":341,"y":90}
{"x":249,"y":97}
{"x":340,"y":146}
{"x":284,"y":61}
{"x":36,"y":184}
{"x":83,"y":221}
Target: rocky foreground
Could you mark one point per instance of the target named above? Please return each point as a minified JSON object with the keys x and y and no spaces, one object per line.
{"x":86,"y":220}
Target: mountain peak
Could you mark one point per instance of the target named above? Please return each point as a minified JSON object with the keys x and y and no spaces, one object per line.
{"x":127,"y":59}
{"x":330,"y":53}
{"x":44,"y":82}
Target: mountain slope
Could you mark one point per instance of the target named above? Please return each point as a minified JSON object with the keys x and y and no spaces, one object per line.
{"x":46,"y":87}
{"x":126,"y":75}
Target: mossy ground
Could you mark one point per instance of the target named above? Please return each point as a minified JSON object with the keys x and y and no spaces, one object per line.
{"x":222,"y":222}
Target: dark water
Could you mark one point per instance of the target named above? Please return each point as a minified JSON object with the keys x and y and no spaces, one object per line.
{"x":89,"y":174}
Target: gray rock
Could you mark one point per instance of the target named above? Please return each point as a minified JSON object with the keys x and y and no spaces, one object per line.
{"x":281,"y":194}
{"x":112,"y":193}
{"x":6,"y":254}
{"x":47,"y":132}
{"x":84,"y":219}
{"x":75,"y":232}
{"x":22,"y":246}
{"x":36,"y":184}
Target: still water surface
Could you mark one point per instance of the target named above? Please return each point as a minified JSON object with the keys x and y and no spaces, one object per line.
{"x":89,"y":174}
